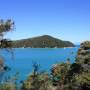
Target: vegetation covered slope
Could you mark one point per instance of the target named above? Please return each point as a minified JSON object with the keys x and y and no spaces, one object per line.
{"x":42,"y":42}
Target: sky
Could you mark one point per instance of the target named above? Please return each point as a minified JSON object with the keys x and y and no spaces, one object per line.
{"x":64,"y":19}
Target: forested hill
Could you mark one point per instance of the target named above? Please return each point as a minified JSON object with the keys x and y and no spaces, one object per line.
{"x":42,"y":42}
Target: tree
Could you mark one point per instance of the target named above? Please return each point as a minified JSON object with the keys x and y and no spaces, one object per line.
{"x":38,"y":80}
{"x":59,"y":74}
{"x":5,"y":26}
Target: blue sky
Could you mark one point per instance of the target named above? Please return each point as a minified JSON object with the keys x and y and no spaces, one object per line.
{"x":63,"y":19}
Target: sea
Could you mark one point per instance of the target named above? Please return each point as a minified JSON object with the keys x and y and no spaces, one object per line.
{"x":21,"y":62}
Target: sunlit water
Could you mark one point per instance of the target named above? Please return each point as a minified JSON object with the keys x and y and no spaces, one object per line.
{"x":46,"y":57}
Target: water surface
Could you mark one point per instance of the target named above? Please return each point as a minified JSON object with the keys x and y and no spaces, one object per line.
{"x":46,"y":57}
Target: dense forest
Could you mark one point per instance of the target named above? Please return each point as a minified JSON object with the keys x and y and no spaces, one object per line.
{"x":42,"y":42}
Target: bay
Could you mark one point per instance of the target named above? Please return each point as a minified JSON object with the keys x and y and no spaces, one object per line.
{"x":24,"y":58}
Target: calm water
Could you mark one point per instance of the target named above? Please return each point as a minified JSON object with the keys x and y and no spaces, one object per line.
{"x":23,"y":59}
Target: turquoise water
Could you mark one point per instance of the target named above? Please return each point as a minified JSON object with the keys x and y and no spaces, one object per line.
{"x":46,"y":57}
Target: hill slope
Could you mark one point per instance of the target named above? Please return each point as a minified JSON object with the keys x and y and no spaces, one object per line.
{"x":42,"y":42}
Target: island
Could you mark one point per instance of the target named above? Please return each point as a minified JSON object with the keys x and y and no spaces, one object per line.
{"x":44,"y":41}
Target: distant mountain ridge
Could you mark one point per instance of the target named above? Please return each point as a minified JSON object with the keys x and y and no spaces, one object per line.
{"x":42,"y":42}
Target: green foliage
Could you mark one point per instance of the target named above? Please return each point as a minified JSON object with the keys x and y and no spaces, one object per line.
{"x":37,"y":80}
{"x":59,"y":74}
{"x":10,"y":83}
{"x":42,"y":42}
{"x":7,"y":86}
{"x":5,"y":26}
{"x":80,"y":70}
